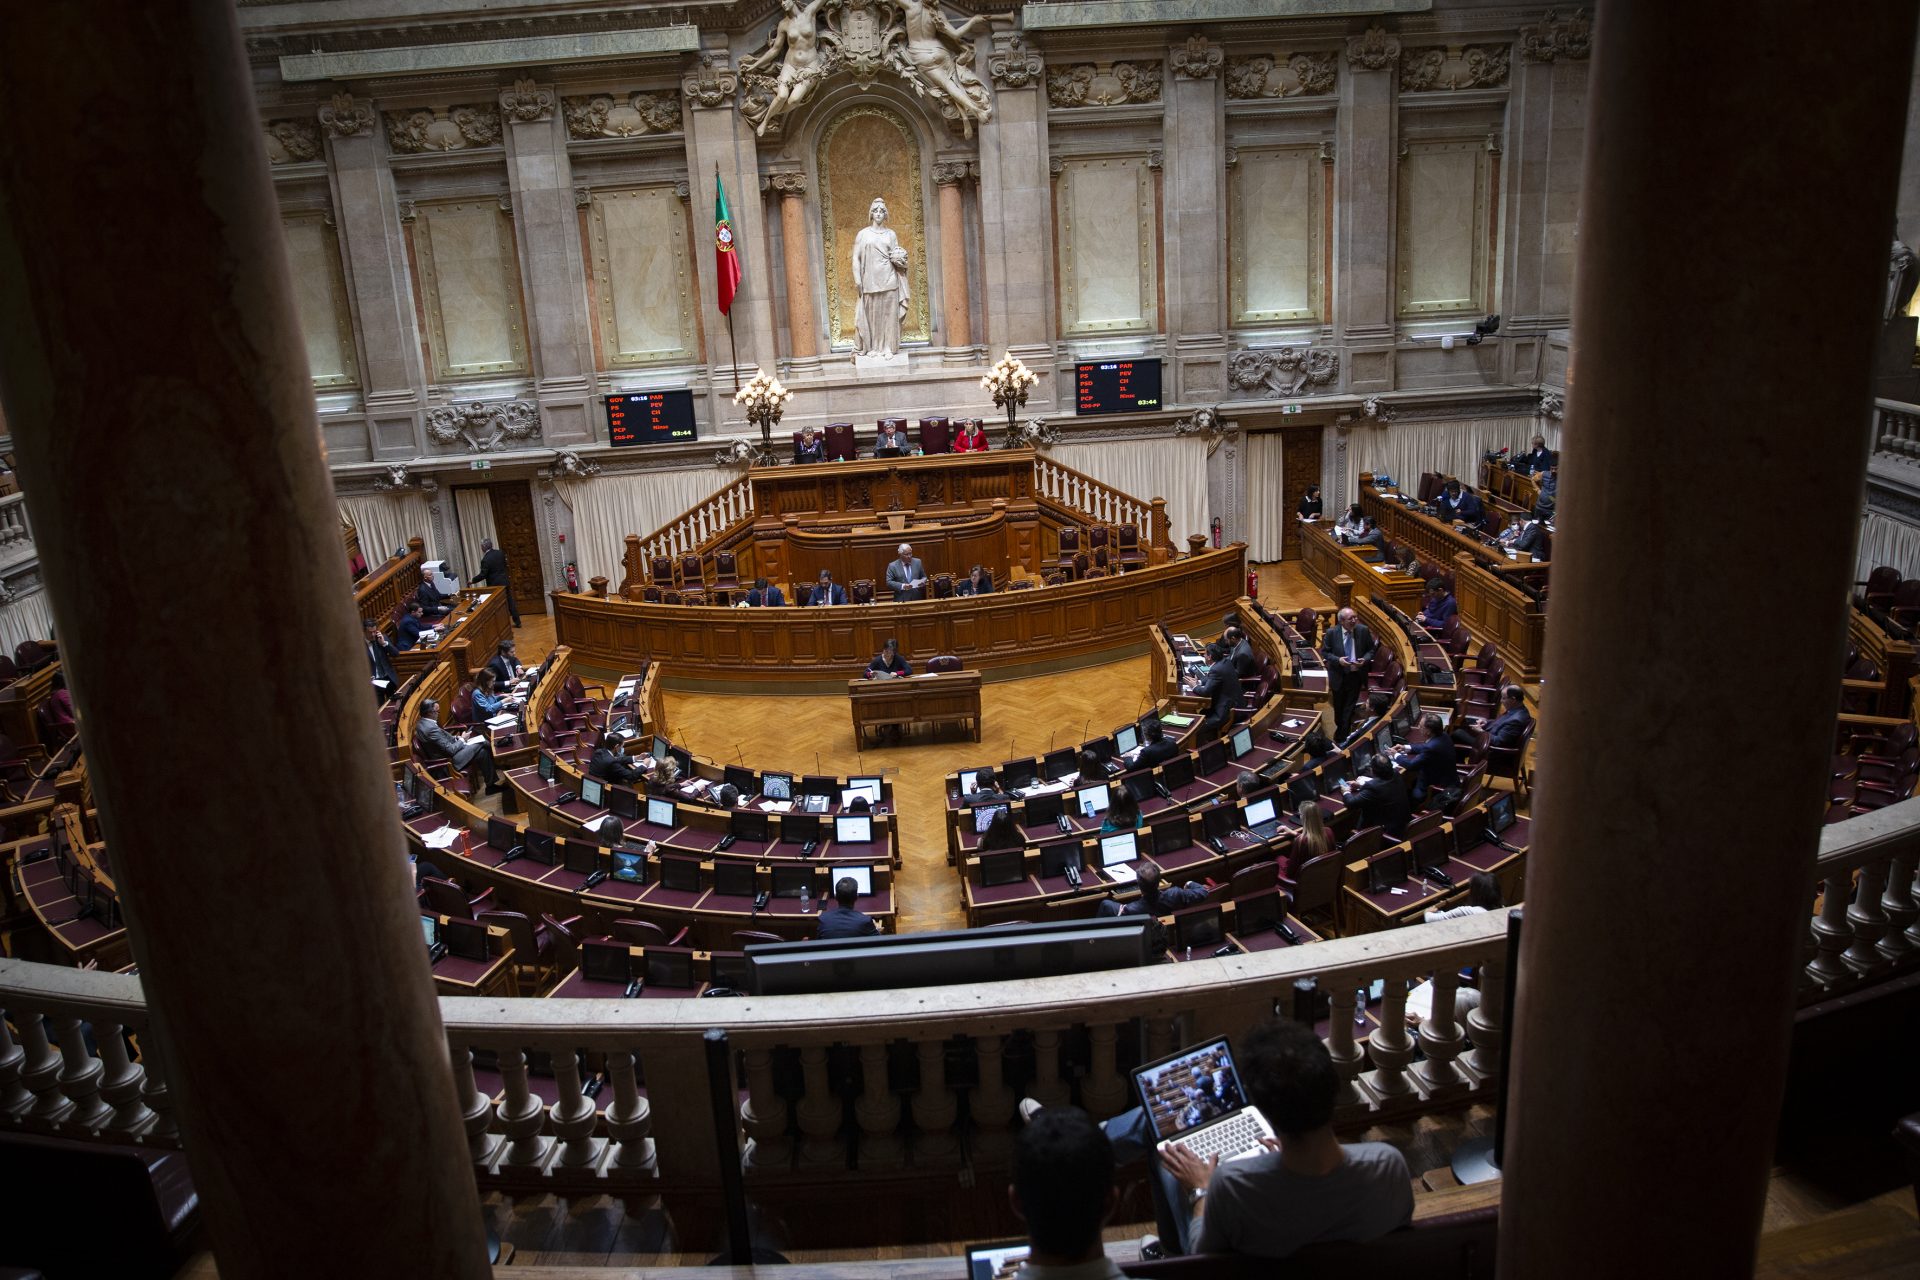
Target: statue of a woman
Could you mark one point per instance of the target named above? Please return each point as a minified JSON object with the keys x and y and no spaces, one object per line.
{"x":880,"y":276}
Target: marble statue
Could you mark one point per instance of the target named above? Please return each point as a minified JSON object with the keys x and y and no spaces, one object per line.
{"x":880,"y":275}
{"x":938,"y":60}
{"x":797,"y":37}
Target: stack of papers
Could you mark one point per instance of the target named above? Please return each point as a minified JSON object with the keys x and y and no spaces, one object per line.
{"x":1122,"y":872}
{"x":505,"y":720}
{"x":441,"y":839}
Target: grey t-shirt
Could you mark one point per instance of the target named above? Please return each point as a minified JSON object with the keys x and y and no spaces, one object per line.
{"x":1257,"y":1206}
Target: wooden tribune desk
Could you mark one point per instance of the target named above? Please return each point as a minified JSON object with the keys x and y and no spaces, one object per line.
{"x":945,"y":697}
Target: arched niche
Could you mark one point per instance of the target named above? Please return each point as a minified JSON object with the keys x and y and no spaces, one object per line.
{"x":863,"y":148}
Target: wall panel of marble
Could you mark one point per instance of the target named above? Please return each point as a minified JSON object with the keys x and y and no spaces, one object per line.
{"x":642,"y":277}
{"x":320,"y":295}
{"x":470,"y":288}
{"x":1107,"y":236}
{"x":1276,"y":219}
{"x":1444,"y":202}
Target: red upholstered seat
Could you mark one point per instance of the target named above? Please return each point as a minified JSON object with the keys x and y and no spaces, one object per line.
{"x":936,"y":435}
{"x":840,"y":442}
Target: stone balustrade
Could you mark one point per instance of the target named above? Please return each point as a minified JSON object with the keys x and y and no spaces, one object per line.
{"x":1896,"y":431}
{"x":16,"y":533}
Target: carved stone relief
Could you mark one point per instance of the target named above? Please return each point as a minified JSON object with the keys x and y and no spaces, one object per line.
{"x":1552,"y":405}
{"x":1473,"y":66}
{"x":346,"y":117}
{"x":1198,"y":59}
{"x":1376,"y":50}
{"x":1284,"y":371}
{"x":481,"y":424}
{"x":710,"y":85}
{"x":637,"y":115}
{"x":1556,"y":37}
{"x":526,"y":101}
{"x":1103,"y":84}
{"x":1015,"y":66}
{"x":1268,"y":76}
{"x":443,"y":129}
{"x":292,"y":141}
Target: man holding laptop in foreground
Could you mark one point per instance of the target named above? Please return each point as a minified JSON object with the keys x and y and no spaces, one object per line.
{"x":1264,"y":1179}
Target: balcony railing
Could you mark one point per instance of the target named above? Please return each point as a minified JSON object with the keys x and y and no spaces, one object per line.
{"x":16,"y":533}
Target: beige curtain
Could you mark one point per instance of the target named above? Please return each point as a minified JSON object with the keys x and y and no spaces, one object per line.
{"x":1405,"y":449}
{"x":608,"y":508}
{"x":475,"y":507}
{"x":29,"y":618}
{"x":1170,"y":467}
{"x":385,"y":521}
{"x":1267,"y":511}
{"x":1885,"y":540}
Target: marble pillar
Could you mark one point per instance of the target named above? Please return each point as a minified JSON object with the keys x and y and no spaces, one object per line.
{"x":1684,"y":204}
{"x":1546,"y":139}
{"x":802,"y":330}
{"x":955,"y":309}
{"x":1194,"y":201}
{"x":289,"y":995}
{"x":1365,"y":166}
{"x":1016,"y":213}
{"x":547,"y":229}
{"x":393,"y":373}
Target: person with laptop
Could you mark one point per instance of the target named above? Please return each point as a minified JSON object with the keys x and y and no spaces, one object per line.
{"x":1158,"y":748}
{"x":843,"y":919}
{"x":1431,"y":762}
{"x":473,"y":758}
{"x":1300,"y":1186}
{"x":1063,"y":1191}
{"x":609,"y":765}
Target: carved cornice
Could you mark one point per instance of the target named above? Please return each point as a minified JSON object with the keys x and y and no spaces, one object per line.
{"x":1268,"y":76}
{"x":526,"y":102}
{"x":460,"y":128}
{"x":640,"y":115}
{"x":710,"y":86}
{"x":1473,"y":66}
{"x":292,"y":141}
{"x":1198,"y":59}
{"x":1376,"y":50}
{"x":346,"y":116}
{"x":1100,"y":84}
{"x":1012,"y":64}
{"x":792,"y":182}
{"x":1555,"y":37}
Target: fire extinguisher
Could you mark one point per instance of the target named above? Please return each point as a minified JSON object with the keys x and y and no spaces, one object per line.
{"x":1216,"y":533}
{"x":1253,"y":584}
{"x":573,"y":578}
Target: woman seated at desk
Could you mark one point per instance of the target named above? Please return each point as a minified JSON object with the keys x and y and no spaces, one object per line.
{"x":888,"y":661}
{"x":972,"y":439}
{"x":809,"y":447}
{"x":488,"y":703}
{"x":1123,"y":813}
{"x":977,"y":583}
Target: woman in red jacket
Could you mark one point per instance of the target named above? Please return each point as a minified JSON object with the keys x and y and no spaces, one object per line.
{"x":972,"y":439}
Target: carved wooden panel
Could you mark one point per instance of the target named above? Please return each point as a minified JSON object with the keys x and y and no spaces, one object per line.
{"x":519,"y":536}
{"x":1299,"y":467}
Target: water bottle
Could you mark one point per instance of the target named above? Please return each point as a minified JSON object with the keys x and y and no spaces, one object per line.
{"x":806,"y":900}
{"x":1360,"y":1008}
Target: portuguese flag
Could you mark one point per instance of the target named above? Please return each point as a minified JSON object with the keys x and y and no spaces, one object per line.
{"x":726,"y":256}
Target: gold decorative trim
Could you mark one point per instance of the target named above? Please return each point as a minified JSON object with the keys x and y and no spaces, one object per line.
{"x":914,"y":326}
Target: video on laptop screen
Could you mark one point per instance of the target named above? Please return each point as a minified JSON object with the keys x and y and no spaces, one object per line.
{"x":1117,"y":848}
{"x":776,"y":786}
{"x":996,"y":1261}
{"x":862,"y":878}
{"x":591,"y":791}
{"x":1242,"y":741}
{"x":660,"y":812}
{"x":1260,"y":812}
{"x":853,"y":829}
{"x":984,"y":815}
{"x":1092,"y":800}
{"x":1190,"y":1089}
{"x":869,"y":788}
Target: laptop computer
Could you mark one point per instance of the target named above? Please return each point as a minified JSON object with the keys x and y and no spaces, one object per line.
{"x":1000,"y":1260}
{"x":1195,"y":1098}
{"x":1262,"y":818}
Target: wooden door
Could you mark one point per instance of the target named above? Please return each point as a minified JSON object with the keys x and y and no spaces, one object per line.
{"x":517,"y":535}
{"x":1300,"y":467}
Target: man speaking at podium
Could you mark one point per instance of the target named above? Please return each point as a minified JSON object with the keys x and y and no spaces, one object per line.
{"x":906,"y":576}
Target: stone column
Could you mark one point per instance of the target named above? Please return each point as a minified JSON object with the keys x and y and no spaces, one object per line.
{"x":1366,"y":158}
{"x":956,"y":306}
{"x":289,"y":994}
{"x":1016,"y":215}
{"x":1546,"y":135}
{"x":1682,"y":205}
{"x":393,"y":373}
{"x":1195,"y":202}
{"x":547,"y":229}
{"x":801,"y":329}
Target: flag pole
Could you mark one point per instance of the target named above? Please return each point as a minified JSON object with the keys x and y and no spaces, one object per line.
{"x":733,"y":348}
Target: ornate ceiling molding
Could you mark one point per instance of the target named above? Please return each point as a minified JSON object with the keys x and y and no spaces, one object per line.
{"x":1198,"y":59}
{"x":1555,"y":37}
{"x":1269,"y":76}
{"x":638,"y":115}
{"x":346,"y":116}
{"x":526,"y":102}
{"x":1376,"y":50}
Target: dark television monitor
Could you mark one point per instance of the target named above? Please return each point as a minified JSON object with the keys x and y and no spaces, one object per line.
{"x":1058,"y":764}
{"x":1004,"y":866}
{"x":788,"y":881}
{"x":1384,"y":870}
{"x":1015,"y":774}
{"x":1170,"y":834}
{"x":746,"y":824}
{"x":950,"y":957}
{"x":650,"y":417}
{"x":1217,"y":821}
{"x":734,"y":879}
{"x":623,"y":803}
{"x":1139,"y":784}
{"x":670,"y":967}
{"x":1101,"y":749}
{"x":1057,"y":857}
{"x":745,"y":781}
{"x":1257,"y":913}
{"x":1045,"y":809}
{"x":502,"y":834}
{"x":730,"y":970}
{"x":580,"y":857}
{"x":466,"y":939}
{"x":540,"y":847}
{"x":815,"y":785}
{"x":1116,"y":386}
{"x":682,"y":874}
{"x":546,"y":767}
{"x":606,"y":962}
{"x":1177,"y":772}
{"x":798,"y":828}
{"x":1199,"y":926}
{"x":1213,"y":757}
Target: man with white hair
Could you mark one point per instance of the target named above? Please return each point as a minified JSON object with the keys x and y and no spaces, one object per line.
{"x":906,"y":576}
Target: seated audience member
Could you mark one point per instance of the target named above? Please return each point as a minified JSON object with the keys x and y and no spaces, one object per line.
{"x":859,"y":804}
{"x":1431,"y":762}
{"x":888,"y":661}
{"x":609,"y":765}
{"x":1537,"y":459}
{"x":1158,"y":748}
{"x":411,"y":625}
{"x":1483,"y":895}
{"x":1509,"y":728}
{"x":1381,"y":800}
{"x":1378,"y":704}
{"x":764,"y":594}
{"x":1123,"y":813}
{"x":431,"y":601}
{"x":977,"y":583}
{"x":664,"y":777}
{"x":1311,"y":505}
{"x":1001,"y":834}
{"x":1307,"y":1188}
{"x":1221,"y":686}
{"x":470,"y":758}
{"x":1524,"y":534}
{"x":1549,"y":495}
{"x":504,"y":664}
{"x":60,"y":706}
{"x":488,"y":703}
{"x":890,"y":437}
{"x":727,"y":796}
{"x":380,"y":661}
{"x":1459,"y":504}
{"x":1351,"y":526}
{"x":1245,"y":783}
{"x":1246,"y":663}
{"x":1440,"y":604}
{"x":972,"y":439}
{"x":906,"y":576}
{"x":987,"y":788}
{"x":809,"y":447}
{"x":1311,"y":841}
{"x":826,"y":591}
{"x":1063,"y":1192}
{"x":843,"y":919}
{"x":1315,"y":750}
{"x":1157,"y":898}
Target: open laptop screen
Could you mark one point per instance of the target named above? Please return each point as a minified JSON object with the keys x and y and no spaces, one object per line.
{"x":862,"y":878}
{"x":854,"y":828}
{"x":1092,"y":799}
{"x":1126,"y":740}
{"x":1118,"y":847}
{"x":1189,"y":1089}
{"x":1260,"y":812}
{"x":591,"y":791}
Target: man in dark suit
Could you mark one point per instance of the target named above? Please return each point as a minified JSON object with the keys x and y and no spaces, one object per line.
{"x":809,"y":447}
{"x":1537,"y":459}
{"x":1246,"y":663}
{"x":1526,"y":535}
{"x":843,"y":919}
{"x":1221,"y":686}
{"x":977,"y":583}
{"x":1440,"y":604}
{"x":431,"y":602}
{"x":411,"y":625}
{"x":1157,"y":749}
{"x":906,"y":576}
{"x":504,"y":664}
{"x":380,"y":661}
{"x":1381,"y":800}
{"x":826,"y":591}
{"x":1509,"y":728}
{"x":1431,"y":762}
{"x":1378,"y":704}
{"x":493,"y":573}
{"x":468,"y":757}
{"x":764,"y":596}
{"x":1348,"y":650}
{"x":609,"y":765}
{"x":1459,"y":504}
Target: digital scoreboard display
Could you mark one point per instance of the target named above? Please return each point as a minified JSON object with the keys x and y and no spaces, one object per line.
{"x":1116,"y":386}
{"x":650,"y":417}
